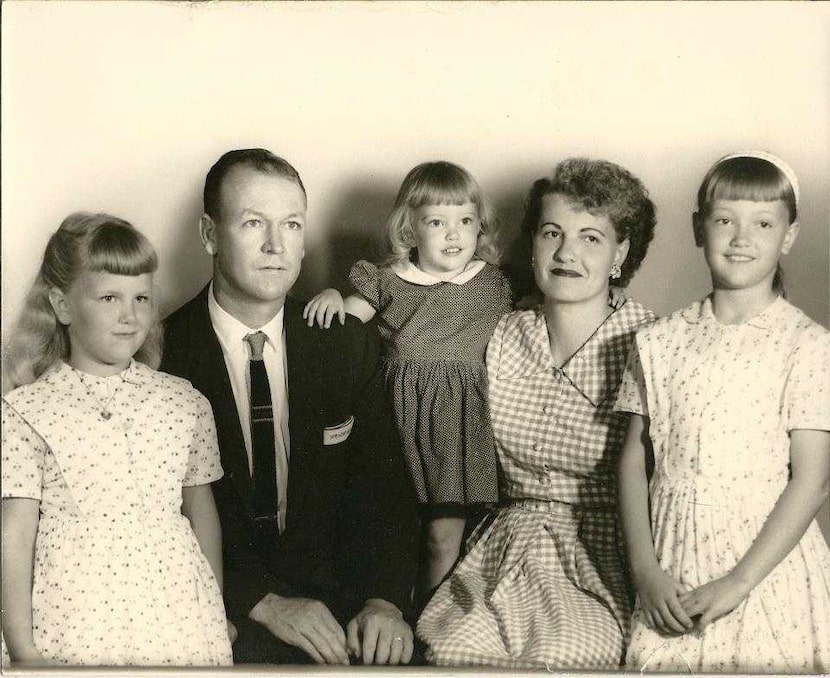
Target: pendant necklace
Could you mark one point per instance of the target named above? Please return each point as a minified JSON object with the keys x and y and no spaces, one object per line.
{"x":104,"y":412}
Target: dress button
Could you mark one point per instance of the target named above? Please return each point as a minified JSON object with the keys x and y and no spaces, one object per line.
{"x":536,"y":447}
{"x":547,"y":409}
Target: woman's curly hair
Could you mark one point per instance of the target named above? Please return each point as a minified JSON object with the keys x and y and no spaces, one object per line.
{"x":601,"y":188}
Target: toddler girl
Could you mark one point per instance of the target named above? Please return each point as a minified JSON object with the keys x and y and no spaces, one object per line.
{"x":102,"y":456}
{"x":733,"y":396}
{"x":438,"y":298}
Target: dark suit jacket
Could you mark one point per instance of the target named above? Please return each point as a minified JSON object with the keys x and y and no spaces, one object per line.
{"x":351,"y":529}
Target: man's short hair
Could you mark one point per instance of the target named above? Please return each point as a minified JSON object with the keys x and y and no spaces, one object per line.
{"x":258,"y":159}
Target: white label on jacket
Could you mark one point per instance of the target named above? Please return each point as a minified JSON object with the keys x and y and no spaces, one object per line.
{"x":332,"y":435}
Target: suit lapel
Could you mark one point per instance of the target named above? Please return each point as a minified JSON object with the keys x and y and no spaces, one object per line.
{"x":210,"y":376}
{"x":303,"y":366}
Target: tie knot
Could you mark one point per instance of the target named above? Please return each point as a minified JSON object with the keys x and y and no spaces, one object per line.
{"x":256,"y":341}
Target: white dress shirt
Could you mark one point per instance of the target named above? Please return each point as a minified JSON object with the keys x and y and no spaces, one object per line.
{"x":231,"y":333}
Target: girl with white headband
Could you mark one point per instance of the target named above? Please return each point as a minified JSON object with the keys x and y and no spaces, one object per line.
{"x":730,"y":402}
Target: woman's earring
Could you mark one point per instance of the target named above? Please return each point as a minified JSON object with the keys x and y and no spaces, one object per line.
{"x":532,"y":260}
{"x":616,"y":271}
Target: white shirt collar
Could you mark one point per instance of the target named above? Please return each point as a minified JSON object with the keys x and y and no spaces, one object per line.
{"x":231,"y":332}
{"x":411,"y":273}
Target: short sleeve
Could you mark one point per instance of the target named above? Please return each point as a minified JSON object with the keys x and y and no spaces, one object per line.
{"x":632,"y":395}
{"x":23,"y":456}
{"x":365,"y":278}
{"x":807,"y":392}
{"x":203,"y":464}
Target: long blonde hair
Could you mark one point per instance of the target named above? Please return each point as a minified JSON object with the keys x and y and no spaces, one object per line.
{"x":438,"y":183}
{"x":84,"y":242}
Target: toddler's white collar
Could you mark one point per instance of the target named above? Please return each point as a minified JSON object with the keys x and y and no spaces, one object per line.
{"x":411,"y":273}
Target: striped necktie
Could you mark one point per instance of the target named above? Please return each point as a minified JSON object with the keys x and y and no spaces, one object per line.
{"x":263,"y":451}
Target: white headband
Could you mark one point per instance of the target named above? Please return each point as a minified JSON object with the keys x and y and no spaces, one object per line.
{"x":775,"y":160}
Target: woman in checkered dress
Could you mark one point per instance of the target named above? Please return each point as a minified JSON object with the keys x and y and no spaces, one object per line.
{"x":544,"y":582}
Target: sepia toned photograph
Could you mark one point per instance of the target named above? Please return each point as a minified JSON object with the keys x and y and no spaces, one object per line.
{"x":433,"y":338}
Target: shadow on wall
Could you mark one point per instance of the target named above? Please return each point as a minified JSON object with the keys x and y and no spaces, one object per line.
{"x":354,"y":230}
{"x":184,"y":260}
{"x":514,"y":246}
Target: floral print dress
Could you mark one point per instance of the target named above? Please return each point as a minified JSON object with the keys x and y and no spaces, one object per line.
{"x":119,"y":578}
{"x":721,"y":402}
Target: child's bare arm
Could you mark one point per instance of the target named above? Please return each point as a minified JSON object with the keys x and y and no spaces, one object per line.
{"x":783,"y":528}
{"x":328,"y":303}
{"x":658,"y":592}
{"x":357,"y":306}
{"x":199,"y":508}
{"x":20,"y":522}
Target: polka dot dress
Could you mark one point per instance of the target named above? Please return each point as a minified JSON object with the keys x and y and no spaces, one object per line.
{"x":119,"y":578}
{"x":435,"y":338}
{"x":544,"y":584}
{"x":721,"y":401}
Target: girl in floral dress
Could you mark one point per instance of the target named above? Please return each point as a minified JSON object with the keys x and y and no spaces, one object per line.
{"x":112,"y":550}
{"x":437,"y":299}
{"x":733,"y":392}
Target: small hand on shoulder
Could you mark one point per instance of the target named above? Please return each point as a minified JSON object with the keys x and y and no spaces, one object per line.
{"x":323,"y":307}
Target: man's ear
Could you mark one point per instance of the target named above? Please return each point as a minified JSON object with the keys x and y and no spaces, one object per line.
{"x":207,"y":232}
{"x":697,"y":226}
{"x":60,"y":306}
{"x":789,"y":239}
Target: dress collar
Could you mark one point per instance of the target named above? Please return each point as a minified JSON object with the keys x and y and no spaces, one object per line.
{"x":701,"y":312}
{"x":232,"y":332}
{"x":595,"y":370}
{"x":411,"y":273}
{"x":135,"y":373}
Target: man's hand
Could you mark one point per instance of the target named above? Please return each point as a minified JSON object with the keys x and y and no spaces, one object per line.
{"x":304,"y":623}
{"x":379,"y":635}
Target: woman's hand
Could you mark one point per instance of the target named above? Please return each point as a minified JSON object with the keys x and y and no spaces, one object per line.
{"x":660,"y":601}
{"x":323,"y":307}
{"x":232,"y":632}
{"x":713,"y":600}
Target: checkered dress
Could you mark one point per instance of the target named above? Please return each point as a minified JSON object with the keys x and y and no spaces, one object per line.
{"x":543,"y":584}
{"x":435,"y":337}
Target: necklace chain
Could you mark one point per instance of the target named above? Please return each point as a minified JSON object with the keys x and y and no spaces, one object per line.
{"x":104,"y":411}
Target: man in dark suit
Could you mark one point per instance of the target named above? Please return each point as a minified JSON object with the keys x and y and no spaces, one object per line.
{"x":318,"y":518}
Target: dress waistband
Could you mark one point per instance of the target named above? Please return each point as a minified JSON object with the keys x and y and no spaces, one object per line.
{"x":154,"y":519}
{"x":553,"y":506}
{"x":719,"y":491}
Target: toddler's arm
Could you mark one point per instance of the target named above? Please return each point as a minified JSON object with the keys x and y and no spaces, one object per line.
{"x":658,"y":592}
{"x":328,"y":303}
{"x":199,"y":508}
{"x":20,"y":522}
{"x":783,"y":528}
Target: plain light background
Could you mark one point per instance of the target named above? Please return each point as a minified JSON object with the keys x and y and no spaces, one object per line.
{"x":122,"y":107}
